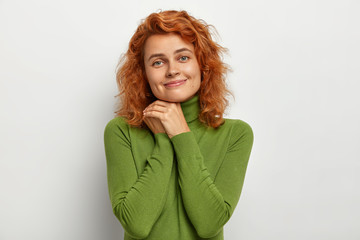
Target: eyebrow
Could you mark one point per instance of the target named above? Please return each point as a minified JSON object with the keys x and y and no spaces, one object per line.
{"x":162,"y":55}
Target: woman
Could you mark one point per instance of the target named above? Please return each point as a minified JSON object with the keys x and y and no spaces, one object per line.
{"x":175,"y":167}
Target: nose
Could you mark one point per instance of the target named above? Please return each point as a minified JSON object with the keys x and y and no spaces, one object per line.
{"x":172,"y":70}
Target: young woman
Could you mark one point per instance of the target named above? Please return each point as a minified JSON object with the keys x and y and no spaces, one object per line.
{"x":175,"y":166}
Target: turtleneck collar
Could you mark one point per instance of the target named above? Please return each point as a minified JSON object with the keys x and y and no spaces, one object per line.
{"x":191,"y":108}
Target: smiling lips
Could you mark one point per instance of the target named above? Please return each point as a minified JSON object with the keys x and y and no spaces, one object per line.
{"x":175,"y":83}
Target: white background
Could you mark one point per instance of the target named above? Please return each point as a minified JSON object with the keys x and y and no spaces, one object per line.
{"x":295,"y":79}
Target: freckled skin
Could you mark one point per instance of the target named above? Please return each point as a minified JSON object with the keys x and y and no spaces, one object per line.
{"x":171,"y":66}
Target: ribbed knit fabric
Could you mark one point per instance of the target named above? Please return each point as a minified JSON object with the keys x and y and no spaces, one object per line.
{"x":181,"y":188}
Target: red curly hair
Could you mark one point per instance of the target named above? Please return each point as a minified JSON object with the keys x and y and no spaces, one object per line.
{"x":134,"y":91}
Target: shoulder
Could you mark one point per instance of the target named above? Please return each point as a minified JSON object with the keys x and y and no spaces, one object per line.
{"x":117,"y":126}
{"x":119,"y":129}
{"x":116,"y":123}
{"x":238,"y":125}
{"x":241,"y":131}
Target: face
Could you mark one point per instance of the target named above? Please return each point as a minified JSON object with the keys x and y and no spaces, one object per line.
{"x":171,"y":67}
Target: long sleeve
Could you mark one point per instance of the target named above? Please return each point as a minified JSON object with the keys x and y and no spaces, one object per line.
{"x":137,"y":201}
{"x":208,"y":203}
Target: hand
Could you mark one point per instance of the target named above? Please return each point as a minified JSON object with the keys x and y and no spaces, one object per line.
{"x":154,"y":124}
{"x":170,"y":115}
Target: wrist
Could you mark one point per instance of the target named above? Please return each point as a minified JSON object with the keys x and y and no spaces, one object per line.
{"x":177,"y":133}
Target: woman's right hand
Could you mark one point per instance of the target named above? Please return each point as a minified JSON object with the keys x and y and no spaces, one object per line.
{"x":154,"y":124}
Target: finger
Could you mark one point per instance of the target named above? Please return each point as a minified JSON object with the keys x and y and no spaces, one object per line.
{"x":156,"y":108}
{"x":161,"y":103}
{"x":154,"y":114}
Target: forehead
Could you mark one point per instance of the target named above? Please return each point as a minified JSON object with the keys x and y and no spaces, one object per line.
{"x":165,"y":43}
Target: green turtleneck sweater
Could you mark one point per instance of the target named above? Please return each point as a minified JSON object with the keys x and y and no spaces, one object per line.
{"x":182,"y":188}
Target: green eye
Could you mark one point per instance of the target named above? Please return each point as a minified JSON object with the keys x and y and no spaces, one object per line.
{"x":157,"y":63}
{"x":184,"y":58}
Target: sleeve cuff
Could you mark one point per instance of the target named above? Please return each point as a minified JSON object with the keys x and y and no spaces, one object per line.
{"x":163,"y":145}
{"x":185,"y":145}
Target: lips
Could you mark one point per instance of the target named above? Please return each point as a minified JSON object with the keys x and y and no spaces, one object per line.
{"x":175,"y":83}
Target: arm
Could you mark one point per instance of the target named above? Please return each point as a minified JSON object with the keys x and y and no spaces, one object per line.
{"x":210,"y":204}
{"x":137,"y":201}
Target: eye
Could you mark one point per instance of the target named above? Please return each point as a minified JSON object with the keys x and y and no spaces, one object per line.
{"x":157,"y":63}
{"x":184,"y":58}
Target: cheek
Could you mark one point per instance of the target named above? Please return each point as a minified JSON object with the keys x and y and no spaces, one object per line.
{"x":151,"y":76}
{"x":197,"y":85}
{"x":193,"y":70}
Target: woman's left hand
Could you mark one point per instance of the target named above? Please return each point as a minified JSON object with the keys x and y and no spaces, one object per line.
{"x":170,"y":115}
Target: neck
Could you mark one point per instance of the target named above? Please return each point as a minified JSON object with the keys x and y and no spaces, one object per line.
{"x":191,"y":108}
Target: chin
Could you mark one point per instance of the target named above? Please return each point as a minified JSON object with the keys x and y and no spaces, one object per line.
{"x":175,"y":98}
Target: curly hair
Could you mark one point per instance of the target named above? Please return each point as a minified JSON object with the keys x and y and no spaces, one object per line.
{"x":134,"y":91}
